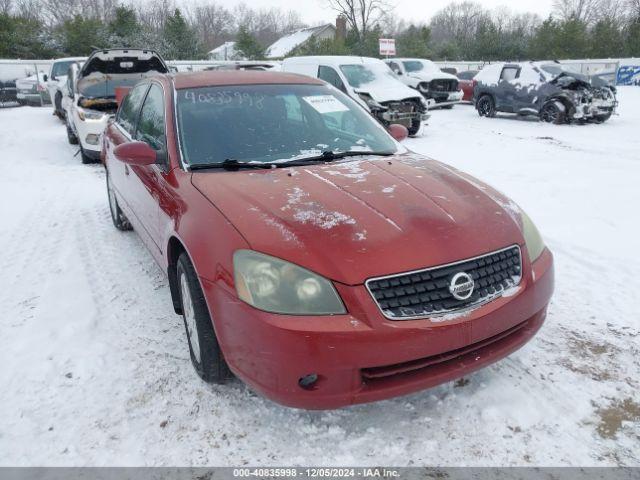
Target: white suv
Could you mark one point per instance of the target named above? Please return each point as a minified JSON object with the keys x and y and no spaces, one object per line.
{"x":369,"y":82}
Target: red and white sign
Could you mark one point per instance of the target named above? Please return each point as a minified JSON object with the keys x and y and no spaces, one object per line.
{"x":388,"y":46}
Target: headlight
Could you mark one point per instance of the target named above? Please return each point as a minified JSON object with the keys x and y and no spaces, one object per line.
{"x":276,"y":286}
{"x":371,"y":103}
{"x":532,"y":237}
{"x":89,"y":114}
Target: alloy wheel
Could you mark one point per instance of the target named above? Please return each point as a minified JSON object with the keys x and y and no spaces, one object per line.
{"x":190,"y":317}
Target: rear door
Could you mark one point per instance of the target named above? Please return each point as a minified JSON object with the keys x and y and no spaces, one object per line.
{"x":506,"y":91}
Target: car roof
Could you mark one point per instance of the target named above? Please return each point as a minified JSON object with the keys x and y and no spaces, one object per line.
{"x":214,"y":78}
{"x":331,"y":60}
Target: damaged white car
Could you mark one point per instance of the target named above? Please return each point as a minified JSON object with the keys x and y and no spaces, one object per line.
{"x":92,"y":92}
{"x":547,"y":90}
{"x":370,"y":83}
{"x":439,"y":88}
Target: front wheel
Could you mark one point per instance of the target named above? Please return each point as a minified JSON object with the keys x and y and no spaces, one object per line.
{"x":71,"y":137}
{"x":119,"y":219}
{"x":602,"y":118}
{"x":486,"y":106}
{"x":415,"y":128}
{"x":206,"y":356}
{"x":553,"y":112}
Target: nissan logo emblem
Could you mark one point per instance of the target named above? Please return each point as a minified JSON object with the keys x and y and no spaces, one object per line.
{"x":461,"y":286}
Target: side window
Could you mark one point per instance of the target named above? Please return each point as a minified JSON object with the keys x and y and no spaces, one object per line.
{"x":151,"y":124}
{"x":329,"y":75}
{"x":509,"y":73}
{"x":128,"y":113}
{"x":395,"y":67}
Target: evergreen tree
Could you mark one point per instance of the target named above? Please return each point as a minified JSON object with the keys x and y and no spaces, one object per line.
{"x":632,"y":39}
{"x":80,"y":36}
{"x":248,"y":46}
{"x":124,"y":29}
{"x":606,"y":40}
{"x":180,"y":41}
{"x":414,"y":42}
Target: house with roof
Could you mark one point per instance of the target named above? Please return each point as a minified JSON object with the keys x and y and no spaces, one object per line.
{"x":226,"y":51}
{"x":285,"y":45}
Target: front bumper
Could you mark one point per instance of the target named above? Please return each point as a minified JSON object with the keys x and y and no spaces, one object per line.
{"x":443,"y":99}
{"x":362,"y":357}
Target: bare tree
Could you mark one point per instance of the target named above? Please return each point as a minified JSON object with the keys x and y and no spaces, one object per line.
{"x":633,"y":8}
{"x":213,"y":23}
{"x":583,"y":10}
{"x":362,"y":15}
{"x":6,"y":6}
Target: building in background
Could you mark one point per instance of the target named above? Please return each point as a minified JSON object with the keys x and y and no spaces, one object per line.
{"x":285,"y":45}
{"x":226,"y":51}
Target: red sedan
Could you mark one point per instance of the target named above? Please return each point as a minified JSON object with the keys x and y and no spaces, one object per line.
{"x":467,"y":84}
{"x":309,"y":252}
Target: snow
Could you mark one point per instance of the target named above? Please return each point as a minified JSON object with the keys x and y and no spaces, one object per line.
{"x":95,"y":369}
{"x":281,"y":47}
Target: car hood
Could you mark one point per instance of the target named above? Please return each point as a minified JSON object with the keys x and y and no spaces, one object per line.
{"x":427,"y":76}
{"x":354,"y":220}
{"x":388,"y":92}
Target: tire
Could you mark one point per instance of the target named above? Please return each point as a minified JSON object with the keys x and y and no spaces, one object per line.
{"x":486,"y":106}
{"x":71,"y":137}
{"x":119,"y":219}
{"x":447,"y":107}
{"x":553,"y":112}
{"x":602,"y":118}
{"x":57,"y":102}
{"x":86,"y":159}
{"x":206,"y":356}
{"x":416,"y":127}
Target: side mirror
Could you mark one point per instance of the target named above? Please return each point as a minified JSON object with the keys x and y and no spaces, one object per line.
{"x":135,"y":153}
{"x":398,"y":72}
{"x":399,"y":132}
{"x":45,"y":77}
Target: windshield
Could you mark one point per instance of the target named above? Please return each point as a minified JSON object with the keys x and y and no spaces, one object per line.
{"x":61,"y":68}
{"x":273,"y":123}
{"x":412,"y":66}
{"x":360,"y":74}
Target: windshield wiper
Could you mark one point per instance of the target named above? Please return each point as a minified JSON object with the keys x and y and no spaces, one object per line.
{"x":329,"y":156}
{"x":232,"y":164}
{"x":326,"y":156}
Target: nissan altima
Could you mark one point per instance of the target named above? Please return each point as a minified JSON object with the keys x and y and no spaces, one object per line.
{"x":309,"y":253}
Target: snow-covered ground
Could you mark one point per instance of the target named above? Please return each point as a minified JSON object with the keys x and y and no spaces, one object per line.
{"x":94,"y":367}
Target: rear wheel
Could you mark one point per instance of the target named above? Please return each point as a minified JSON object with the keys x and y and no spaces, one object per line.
{"x":57,"y":102}
{"x":447,"y":107}
{"x":204,"y":349}
{"x":119,"y":219}
{"x":553,"y":112}
{"x":486,"y":106}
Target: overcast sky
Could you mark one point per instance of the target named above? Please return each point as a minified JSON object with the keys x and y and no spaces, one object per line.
{"x":316,"y":11}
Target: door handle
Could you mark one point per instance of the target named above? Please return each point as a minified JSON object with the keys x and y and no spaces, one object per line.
{"x":126,"y":169}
